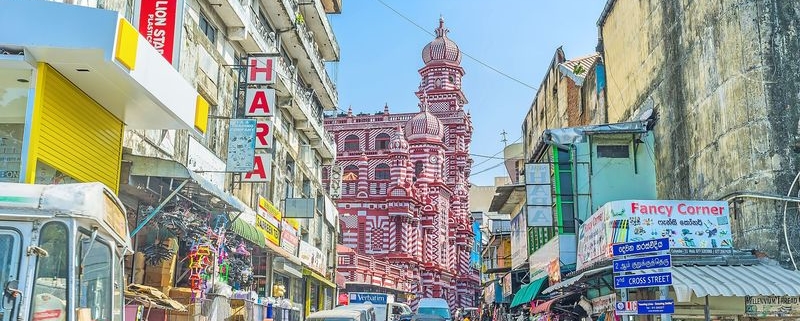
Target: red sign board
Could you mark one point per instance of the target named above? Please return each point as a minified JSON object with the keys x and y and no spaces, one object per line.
{"x":157,"y":25}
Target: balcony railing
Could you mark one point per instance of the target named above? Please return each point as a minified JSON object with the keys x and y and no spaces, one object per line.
{"x":311,"y":46}
{"x":268,"y":37}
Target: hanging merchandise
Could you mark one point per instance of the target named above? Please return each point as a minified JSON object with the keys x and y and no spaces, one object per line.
{"x":199,"y":262}
{"x":157,"y":253}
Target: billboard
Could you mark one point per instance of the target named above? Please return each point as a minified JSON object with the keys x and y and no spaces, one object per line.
{"x":519,"y":240}
{"x":157,"y":20}
{"x":686,"y":224}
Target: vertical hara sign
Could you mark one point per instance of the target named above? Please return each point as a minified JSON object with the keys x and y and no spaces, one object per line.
{"x":157,"y":25}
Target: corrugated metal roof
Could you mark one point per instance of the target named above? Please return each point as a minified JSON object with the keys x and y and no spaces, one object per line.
{"x":586,"y":62}
{"x":740,"y":280}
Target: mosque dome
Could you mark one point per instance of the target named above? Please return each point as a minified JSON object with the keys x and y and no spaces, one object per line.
{"x":441,"y":49}
{"x":424,"y":126}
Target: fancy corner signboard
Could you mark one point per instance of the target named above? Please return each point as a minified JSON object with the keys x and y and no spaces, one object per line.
{"x":685,"y":224}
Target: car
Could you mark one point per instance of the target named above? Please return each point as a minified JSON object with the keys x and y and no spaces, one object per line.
{"x":336,"y":315}
{"x":435,"y":306}
{"x":367,"y":311}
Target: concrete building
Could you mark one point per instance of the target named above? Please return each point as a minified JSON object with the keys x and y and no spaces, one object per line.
{"x":405,"y":181}
{"x":160,"y":85}
{"x":724,"y":90}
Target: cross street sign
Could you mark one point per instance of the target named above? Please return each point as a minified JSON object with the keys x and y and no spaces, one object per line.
{"x":640,"y":247}
{"x":642,"y":280}
{"x":643,"y":263}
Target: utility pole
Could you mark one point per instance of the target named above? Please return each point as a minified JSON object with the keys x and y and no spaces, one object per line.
{"x":505,"y":139}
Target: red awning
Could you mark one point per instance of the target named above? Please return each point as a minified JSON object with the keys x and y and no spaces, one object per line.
{"x":543,"y":307}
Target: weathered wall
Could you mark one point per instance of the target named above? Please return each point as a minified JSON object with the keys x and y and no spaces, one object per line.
{"x":721,"y":76}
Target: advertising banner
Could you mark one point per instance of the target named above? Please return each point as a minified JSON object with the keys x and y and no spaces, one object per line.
{"x":539,"y":262}
{"x":313,"y":257}
{"x":686,"y":225}
{"x":241,"y":145}
{"x":772,"y":306}
{"x":289,"y":240}
{"x":157,"y":25}
{"x":270,"y":231}
{"x":519,"y":240}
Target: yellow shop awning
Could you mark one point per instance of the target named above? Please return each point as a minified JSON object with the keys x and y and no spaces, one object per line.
{"x":105,"y":57}
{"x":318,"y":277}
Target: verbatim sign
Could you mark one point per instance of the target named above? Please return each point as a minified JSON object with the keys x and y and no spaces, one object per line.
{"x":157,"y":24}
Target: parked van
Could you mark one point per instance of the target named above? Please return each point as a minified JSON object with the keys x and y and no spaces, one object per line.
{"x":336,"y":315}
{"x":436,"y":307}
{"x":368,"y":312}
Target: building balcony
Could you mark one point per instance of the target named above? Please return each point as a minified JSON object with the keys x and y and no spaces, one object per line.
{"x":305,"y":110}
{"x":315,"y":16}
{"x":235,"y":15}
{"x":259,"y":38}
{"x":332,"y":6}
{"x":301,"y":45}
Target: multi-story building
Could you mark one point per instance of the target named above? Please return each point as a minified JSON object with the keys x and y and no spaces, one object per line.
{"x":143,"y":96}
{"x":405,"y":181}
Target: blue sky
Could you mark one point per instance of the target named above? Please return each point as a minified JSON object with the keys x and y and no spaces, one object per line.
{"x":381,"y":53}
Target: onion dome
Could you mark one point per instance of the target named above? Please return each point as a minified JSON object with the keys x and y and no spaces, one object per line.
{"x":398,"y":143}
{"x":424,"y":126}
{"x":441,"y":49}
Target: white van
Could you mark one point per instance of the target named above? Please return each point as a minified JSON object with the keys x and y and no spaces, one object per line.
{"x":435,"y":306}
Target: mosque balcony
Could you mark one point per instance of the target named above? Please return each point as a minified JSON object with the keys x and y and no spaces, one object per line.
{"x":316,"y":20}
{"x":301,"y":45}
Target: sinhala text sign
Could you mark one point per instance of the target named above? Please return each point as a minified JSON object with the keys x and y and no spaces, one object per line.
{"x":686,"y":224}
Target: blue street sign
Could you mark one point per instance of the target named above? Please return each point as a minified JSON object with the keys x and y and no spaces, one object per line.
{"x":642,"y":280}
{"x":656,"y":307}
{"x":640,"y":247}
{"x":643,"y":263}
{"x":644,"y":307}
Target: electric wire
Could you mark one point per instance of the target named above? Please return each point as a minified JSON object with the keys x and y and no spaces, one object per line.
{"x":785,"y":228}
{"x":462,"y":51}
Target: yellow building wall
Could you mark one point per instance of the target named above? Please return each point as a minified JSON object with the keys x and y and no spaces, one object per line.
{"x":72,"y":133}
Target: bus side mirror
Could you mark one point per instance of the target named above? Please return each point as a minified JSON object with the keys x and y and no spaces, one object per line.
{"x":11,"y":288}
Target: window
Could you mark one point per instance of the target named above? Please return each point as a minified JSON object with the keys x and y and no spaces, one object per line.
{"x":565,"y":193}
{"x":382,"y":141}
{"x":382,"y":171}
{"x":9,"y":270}
{"x":418,"y":169}
{"x":350,"y":173}
{"x":16,"y":85}
{"x":52,"y":271}
{"x":613,"y":151}
{"x":351,"y":143}
{"x":208,"y":29}
{"x":95,"y":288}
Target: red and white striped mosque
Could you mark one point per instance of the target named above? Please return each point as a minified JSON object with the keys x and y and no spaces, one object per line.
{"x":404,"y":204}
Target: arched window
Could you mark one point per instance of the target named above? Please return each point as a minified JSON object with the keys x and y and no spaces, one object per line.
{"x":350,"y":173}
{"x":382,"y":171}
{"x":351,"y":143}
{"x":382,"y":141}
{"x":418,"y":169}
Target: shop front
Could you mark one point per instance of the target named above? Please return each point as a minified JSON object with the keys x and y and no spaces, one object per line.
{"x":77,"y":80}
{"x":321,"y":290}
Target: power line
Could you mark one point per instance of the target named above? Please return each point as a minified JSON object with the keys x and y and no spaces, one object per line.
{"x":495,"y":154}
{"x":462,"y":51}
{"x":486,"y":170}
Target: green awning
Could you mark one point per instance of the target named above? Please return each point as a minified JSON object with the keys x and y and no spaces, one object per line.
{"x":528,"y":292}
{"x":248,"y":232}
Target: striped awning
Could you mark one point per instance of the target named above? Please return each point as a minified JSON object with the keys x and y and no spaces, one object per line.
{"x":248,"y":232}
{"x":741,"y":280}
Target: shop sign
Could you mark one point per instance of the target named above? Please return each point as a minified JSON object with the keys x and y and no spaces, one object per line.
{"x":519,"y":240}
{"x":539,"y":195}
{"x":644,"y":307}
{"x":335,"y":179}
{"x":266,"y":209}
{"x":157,"y":25}
{"x":539,"y":261}
{"x":261,"y":171}
{"x":260,"y":102}
{"x":507,"y":285}
{"x":241,"y":145}
{"x":206,"y":163}
{"x":640,"y":247}
{"x":772,"y":306}
{"x":265,"y":136}
{"x":603,"y":303}
{"x":642,"y":280}
{"x":261,"y":70}
{"x":270,"y":231}
{"x":289,"y":240}
{"x":331,"y":212}
{"x":313,"y":257}
{"x":686,"y":224}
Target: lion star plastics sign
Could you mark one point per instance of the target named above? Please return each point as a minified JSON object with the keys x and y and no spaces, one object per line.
{"x":685,"y":224}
